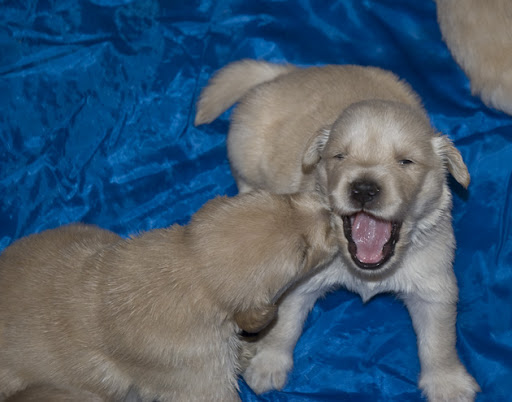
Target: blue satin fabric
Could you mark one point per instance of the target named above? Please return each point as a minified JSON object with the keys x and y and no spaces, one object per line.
{"x":97,"y":104}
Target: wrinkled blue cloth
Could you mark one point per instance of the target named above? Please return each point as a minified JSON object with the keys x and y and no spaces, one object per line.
{"x":97,"y":100}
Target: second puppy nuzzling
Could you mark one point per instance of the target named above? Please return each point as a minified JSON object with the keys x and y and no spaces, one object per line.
{"x":82,"y":308}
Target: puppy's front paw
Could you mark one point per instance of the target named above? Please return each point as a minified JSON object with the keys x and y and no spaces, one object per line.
{"x":268,"y":370}
{"x":454,"y":385}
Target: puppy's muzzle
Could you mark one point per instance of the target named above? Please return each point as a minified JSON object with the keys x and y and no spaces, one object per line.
{"x":371,"y":240}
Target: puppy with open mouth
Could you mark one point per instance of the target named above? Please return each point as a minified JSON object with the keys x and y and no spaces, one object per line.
{"x":360,"y":137}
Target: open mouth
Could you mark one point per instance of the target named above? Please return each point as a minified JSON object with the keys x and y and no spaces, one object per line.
{"x":371,"y":241}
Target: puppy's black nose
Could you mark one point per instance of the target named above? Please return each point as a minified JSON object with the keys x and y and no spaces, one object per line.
{"x":364,"y":191}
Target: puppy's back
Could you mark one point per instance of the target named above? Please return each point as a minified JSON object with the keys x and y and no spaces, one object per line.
{"x":59,"y":252}
{"x":276,"y":120}
{"x":41,"y":282}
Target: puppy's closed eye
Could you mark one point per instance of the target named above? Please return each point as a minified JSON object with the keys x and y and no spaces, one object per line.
{"x":404,"y":162}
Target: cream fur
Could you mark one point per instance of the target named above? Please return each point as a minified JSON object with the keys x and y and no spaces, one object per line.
{"x":479,"y":36}
{"x":326,"y":128}
{"x":46,"y":393}
{"x":85,"y":311}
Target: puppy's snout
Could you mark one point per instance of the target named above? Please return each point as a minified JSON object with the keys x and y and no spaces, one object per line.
{"x":364,"y":191}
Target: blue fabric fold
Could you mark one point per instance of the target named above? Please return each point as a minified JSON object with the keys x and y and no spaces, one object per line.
{"x":97,"y":101}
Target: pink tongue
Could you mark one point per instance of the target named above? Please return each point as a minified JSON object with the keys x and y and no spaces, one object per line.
{"x":370,"y":235}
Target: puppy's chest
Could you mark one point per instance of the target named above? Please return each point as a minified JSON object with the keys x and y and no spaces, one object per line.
{"x":367,"y":290}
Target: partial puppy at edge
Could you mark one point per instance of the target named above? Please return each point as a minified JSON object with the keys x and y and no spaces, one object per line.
{"x":479,"y":36}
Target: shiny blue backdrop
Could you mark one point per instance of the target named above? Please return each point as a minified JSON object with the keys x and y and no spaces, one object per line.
{"x":96,"y":108}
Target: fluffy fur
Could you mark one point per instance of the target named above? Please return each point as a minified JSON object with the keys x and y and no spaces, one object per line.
{"x":46,"y":393}
{"x":360,"y":137}
{"x":479,"y":36}
{"x":82,"y":308}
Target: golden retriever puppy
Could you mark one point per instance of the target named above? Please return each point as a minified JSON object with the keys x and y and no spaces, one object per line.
{"x":479,"y":36}
{"x":360,"y":137}
{"x":82,"y":308}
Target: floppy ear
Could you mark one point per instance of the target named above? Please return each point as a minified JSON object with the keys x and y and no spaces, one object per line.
{"x":255,"y":320}
{"x":314,"y":149}
{"x":453,"y":159}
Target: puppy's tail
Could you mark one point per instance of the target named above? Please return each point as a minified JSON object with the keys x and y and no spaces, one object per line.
{"x":231,"y":83}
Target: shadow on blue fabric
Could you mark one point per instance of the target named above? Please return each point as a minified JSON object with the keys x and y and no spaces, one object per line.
{"x":97,"y":104}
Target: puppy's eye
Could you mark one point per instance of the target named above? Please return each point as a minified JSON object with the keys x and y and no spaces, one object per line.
{"x":404,"y":162}
{"x":339,"y":156}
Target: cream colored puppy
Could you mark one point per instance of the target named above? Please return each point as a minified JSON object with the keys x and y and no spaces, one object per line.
{"x":360,"y":137}
{"x":82,"y":308}
{"x":479,"y":35}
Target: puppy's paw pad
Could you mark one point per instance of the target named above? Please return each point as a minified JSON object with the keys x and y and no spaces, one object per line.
{"x":268,"y":370}
{"x":454,"y":386}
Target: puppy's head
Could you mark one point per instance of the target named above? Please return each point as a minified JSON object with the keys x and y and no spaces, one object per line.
{"x":258,"y":244}
{"x":383,"y":169}
{"x":311,"y":220}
